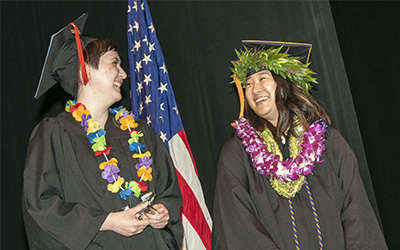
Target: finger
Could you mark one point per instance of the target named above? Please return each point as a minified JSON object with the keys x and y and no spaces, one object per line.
{"x":139,"y":207}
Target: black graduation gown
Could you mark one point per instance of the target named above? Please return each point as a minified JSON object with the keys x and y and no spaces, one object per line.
{"x":249,"y":214}
{"x":65,"y":200}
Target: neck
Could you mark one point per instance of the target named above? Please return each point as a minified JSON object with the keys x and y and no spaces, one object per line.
{"x":98,"y":110}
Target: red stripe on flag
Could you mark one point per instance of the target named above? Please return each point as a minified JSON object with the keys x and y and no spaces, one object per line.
{"x":192,"y":211}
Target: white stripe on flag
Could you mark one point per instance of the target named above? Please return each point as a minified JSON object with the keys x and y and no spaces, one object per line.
{"x":191,"y":238}
{"x":185,"y":167}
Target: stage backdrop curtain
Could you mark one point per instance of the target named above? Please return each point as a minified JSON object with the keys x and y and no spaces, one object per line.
{"x":198,"y":39}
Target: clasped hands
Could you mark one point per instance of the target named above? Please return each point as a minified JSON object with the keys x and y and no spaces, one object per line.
{"x":127,"y":223}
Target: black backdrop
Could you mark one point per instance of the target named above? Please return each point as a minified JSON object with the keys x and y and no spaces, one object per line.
{"x":198,"y":38}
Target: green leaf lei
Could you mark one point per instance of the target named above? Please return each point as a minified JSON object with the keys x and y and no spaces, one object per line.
{"x":280,"y":63}
{"x":286,"y":189}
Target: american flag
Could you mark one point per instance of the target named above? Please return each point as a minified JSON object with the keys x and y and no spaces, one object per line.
{"x":153,"y":101}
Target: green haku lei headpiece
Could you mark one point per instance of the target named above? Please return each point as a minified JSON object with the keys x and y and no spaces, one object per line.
{"x":283,"y":64}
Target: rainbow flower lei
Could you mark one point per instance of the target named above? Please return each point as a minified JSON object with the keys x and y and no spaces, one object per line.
{"x":110,"y":170}
{"x":291,"y":171}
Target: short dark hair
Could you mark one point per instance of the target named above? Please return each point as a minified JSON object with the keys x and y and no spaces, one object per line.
{"x":96,"y":49}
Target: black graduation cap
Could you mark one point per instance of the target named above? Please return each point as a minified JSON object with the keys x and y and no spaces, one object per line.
{"x":301,"y":50}
{"x":62,"y":60}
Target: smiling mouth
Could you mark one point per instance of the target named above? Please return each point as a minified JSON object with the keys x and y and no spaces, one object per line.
{"x":118,"y":84}
{"x":261,"y":99}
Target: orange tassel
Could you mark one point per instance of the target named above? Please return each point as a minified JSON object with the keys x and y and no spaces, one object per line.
{"x":241,"y":97}
{"x":80,"y":53}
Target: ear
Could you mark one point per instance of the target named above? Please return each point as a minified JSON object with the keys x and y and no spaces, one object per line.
{"x":88,"y":73}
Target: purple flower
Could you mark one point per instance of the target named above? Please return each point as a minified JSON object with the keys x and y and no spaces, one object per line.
{"x":110,"y":173}
{"x":144,"y":162}
{"x":84,"y":122}
{"x":125,"y":113}
{"x":289,"y":170}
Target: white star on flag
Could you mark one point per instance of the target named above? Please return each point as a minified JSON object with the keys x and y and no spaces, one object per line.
{"x":148,"y":100}
{"x":139,"y":87}
{"x":148,"y":121}
{"x":151,"y":27}
{"x":147,"y":58}
{"x":138,"y":66}
{"x":151,"y":47}
{"x":164,"y":68}
{"x":163,"y":87}
{"x":163,"y":136}
{"x":137,"y":45}
{"x":147,"y":79}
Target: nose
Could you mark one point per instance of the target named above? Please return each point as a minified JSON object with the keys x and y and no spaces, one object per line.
{"x":122,"y":73}
{"x":256,"y":86}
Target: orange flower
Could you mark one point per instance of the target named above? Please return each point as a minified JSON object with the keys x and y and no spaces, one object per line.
{"x":113,"y":161}
{"x":128,"y":122}
{"x":146,"y":173}
{"x":77,"y":114}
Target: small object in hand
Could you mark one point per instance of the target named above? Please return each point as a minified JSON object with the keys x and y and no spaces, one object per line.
{"x":147,"y":210}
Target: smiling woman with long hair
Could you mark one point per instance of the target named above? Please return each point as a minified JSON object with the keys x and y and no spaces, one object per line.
{"x":287,"y":179}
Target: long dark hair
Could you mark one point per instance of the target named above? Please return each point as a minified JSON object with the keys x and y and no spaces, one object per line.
{"x":291,"y":102}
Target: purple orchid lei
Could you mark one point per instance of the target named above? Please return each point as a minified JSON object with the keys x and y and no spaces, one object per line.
{"x":269,"y":164}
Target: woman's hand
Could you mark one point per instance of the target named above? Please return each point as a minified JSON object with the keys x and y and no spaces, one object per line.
{"x":161,"y":219}
{"x":126,"y":222}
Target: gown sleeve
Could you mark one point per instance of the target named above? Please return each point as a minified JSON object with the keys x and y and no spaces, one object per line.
{"x":50,"y":221}
{"x":360,"y":225}
{"x":235,"y":222}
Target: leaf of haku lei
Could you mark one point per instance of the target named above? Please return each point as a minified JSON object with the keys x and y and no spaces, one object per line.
{"x":128,"y":122}
{"x":112,"y":161}
{"x":147,"y":153}
{"x":114,"y":187}
{"x":145,"y":174}
{"x":110,"y":173}
{"x":144,"y":162}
